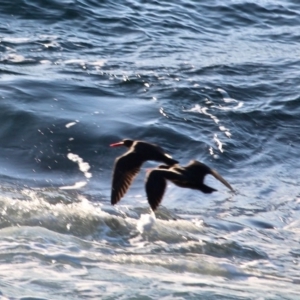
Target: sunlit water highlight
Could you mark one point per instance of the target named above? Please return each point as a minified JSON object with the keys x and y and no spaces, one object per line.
{"x":216,"y":82}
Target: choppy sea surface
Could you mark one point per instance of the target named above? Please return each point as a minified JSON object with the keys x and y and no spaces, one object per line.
{"x":217,"y":81}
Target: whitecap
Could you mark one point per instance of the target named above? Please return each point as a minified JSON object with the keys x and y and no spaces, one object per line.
{"x":146,"y":222}
{"x":77,"y":185}
{"x":16,"y":40}
{"x":16,"y":58}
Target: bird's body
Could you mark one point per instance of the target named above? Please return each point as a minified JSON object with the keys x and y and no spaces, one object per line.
{"x":128,"y":165}
{"x":190,"y":176}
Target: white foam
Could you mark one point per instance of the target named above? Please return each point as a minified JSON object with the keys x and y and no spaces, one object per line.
{"x":98,"y":63}
{"x":16,"y":58}
{"x":75,"y":61}
{"x":16,"y":40}
{"x":239,"y":105}
{"x":77,"y":185}
{"x":51,"y":45}
{"x":146,"y":222}
{"x":45,"y":62}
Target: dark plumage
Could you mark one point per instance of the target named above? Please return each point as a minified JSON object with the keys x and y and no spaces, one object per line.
{"x":190,"y":176}
{"x":128,"y":165}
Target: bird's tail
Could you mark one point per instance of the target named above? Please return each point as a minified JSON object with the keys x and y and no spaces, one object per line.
{"x":207,"y":189}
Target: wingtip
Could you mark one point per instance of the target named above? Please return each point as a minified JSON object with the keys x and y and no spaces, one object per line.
{"x":221,"y":179}
{"x":153,"y":207}
{"x":113,"y":199}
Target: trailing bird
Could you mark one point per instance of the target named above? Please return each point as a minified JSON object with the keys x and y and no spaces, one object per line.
{"x":190,"y":176}
{"x":128,"y":165}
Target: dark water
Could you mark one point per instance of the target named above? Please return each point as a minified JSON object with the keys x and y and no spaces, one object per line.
{"x":216,"y":81}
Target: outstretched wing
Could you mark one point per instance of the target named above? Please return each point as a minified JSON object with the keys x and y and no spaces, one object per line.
{"x":126,"y":168}
{"x":155,"y":187}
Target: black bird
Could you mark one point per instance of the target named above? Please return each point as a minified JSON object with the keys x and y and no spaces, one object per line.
{"x":190,"y":176}
{"x":128,"y":165}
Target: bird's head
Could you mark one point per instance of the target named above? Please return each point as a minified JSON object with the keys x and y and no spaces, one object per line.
{"x":126,"y":142}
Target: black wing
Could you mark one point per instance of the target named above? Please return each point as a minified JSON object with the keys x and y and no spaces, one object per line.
{"x":126,"y":168}
{"x":155,"y":187}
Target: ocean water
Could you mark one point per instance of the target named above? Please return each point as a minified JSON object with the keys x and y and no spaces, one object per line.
{"x":217,"y":81}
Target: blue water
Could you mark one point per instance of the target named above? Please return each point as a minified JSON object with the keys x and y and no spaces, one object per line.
{"x":216,"y":81}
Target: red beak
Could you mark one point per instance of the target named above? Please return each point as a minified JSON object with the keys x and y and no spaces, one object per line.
{"x":117,"y":144}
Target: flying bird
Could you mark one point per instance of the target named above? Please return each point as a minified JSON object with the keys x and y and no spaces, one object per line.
{"x":190,"y":176}
{"x":128,"y":165}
